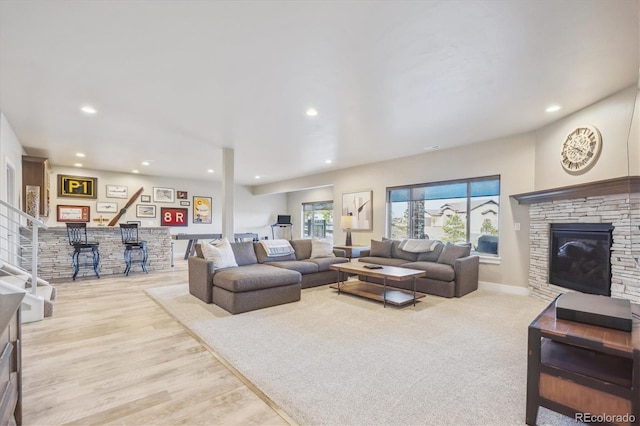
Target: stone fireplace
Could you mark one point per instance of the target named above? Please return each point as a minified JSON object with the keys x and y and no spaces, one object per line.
{"x":606,"y":203}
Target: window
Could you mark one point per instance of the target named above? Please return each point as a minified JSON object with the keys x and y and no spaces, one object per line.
{"x":456,"y":211}
{"x":317,"y":219}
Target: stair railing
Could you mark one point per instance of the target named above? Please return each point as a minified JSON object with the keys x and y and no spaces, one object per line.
{"x":15,"y":228}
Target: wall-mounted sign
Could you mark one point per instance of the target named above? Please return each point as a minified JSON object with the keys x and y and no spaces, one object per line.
{"x":171,"y":216}
{"x":73,"y":214}
{"x":77,"y":186}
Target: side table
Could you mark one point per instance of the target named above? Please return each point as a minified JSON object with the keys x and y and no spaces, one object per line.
{"x":584,"y":371}
{"x":352,"y":251}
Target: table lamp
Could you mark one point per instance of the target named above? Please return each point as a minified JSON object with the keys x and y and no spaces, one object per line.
{"x":346,"y":223}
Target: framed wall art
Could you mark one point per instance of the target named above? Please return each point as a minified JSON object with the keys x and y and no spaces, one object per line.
{"x":73,"y":213}
{"x":164,"y":195}
{"x":77,"y":186}
{"x":145,"y":210}
{"x":173,"y":216}
{"x":202,"y":210}
{"x":359,"y":205}
{"x":182,"y":195}
{"x":117,"y":191}
{"x":145,"y":198}
{"x":106,"y":207}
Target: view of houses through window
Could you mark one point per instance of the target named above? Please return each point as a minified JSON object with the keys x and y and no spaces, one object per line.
{"x":317,"y":219}
{"x":455,"y":211}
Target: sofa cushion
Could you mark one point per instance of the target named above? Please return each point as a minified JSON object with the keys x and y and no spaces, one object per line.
{"x":451,"y":252}
{"x":244,"y":253}
{"x":261,"y":254}
{"x":398,"y":253}
{"x":302,"y":249}
{"x":301,"y":266}
{"x":220,"y":253}
{"x":324,"y":262}
{"x":435,"y":271}
{"x":380,"y":248}
{"x":387,"y":261}
{"x":254,"y":277}
{"x":321,"y":247}
{"x":431,"y":256}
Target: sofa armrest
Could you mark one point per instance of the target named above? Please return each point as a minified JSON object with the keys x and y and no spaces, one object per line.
{"x":365,"y":253}
{"x":340,"y":252}
{"x":201,"y":278}
{"x":466,"y":269}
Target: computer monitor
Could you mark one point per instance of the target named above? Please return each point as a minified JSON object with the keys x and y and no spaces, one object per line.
{"x":284,"y":219}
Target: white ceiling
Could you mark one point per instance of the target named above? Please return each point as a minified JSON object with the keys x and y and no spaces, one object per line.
{"x":176,"y":81}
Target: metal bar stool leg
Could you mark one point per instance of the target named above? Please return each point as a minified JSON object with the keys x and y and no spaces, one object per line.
{"x":96,"y":260}
{"x":75,"y":263}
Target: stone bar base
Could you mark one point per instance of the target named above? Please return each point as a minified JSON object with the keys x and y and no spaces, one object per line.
{"x":54,"y":252}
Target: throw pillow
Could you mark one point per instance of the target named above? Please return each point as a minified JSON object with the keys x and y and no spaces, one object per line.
{"x":220,"y":253}
{"x":321,"y":247}
{"x":451,"y":252}
{"x":244,"y":253}
{"x":380,"y":248}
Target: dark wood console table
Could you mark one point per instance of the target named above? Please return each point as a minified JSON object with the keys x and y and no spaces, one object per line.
{"x":584,"y":370}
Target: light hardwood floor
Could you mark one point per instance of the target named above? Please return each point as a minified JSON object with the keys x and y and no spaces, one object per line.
{"x":110,"y":355}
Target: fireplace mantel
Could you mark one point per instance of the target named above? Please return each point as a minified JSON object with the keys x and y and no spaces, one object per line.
{"x":620,"y":185}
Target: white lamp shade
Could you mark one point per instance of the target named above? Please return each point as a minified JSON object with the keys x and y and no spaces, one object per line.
{"x":348,"y":222}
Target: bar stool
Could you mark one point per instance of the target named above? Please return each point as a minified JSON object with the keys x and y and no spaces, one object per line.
{"x":129,"y":233}
{"x":77,"y":235}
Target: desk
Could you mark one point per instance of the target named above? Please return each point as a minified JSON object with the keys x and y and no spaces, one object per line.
{"x":193,"y":240}
{"x":577,"y":369}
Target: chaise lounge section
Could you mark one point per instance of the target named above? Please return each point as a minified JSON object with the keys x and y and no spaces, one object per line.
{"x":259,"y":280}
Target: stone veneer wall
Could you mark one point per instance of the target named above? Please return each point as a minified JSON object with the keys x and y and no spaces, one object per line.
{"x":54,"y":252}
{"x":615,"y":209}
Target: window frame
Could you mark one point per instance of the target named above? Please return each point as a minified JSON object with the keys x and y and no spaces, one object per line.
{"x":302,"y":218}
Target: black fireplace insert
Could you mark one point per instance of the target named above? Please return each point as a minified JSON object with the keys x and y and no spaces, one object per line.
{"x":580,"y":257}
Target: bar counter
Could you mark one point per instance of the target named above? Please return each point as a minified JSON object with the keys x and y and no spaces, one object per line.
{"x":54,"y":251}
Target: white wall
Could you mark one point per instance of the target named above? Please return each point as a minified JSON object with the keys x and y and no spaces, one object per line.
{"x":613,"y":117}
{"x":252,"y":213}
{"x":511,"y":158}
{"x":10,"y":153}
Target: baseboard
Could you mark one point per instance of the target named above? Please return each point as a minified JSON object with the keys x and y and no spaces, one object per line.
{"x":502,"y":288}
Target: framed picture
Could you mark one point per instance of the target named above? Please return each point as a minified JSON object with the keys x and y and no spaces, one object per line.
{"x":182,"y":195}
{"x":104,"y":207}
{"x":117,"y":191}
{"x":173,"y":216}
{"x":73,"y":213}
{"x":163,"y":195}
{"x":202,"y":210}
{"x":77,"y":186}
{"x":137,"y":222}
{"x":145,"y":198}
{"x":145,"y":210}
{"x":185,"y":203}
{"x":358,"y":204}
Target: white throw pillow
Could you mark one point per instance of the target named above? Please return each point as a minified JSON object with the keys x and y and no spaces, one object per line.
{"x":220,"y":253}
{"x":321,"y":247}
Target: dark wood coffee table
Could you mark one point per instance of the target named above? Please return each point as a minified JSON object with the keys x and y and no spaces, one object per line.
{"x":379,"y":292}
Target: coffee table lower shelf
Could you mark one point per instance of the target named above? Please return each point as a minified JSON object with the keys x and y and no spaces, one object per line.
{"x":394,"y":296}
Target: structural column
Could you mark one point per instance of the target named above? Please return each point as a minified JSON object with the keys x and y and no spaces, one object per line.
{"x":228,"y":187}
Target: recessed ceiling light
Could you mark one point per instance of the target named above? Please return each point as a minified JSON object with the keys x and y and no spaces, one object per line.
{"x":553,"y":108}
{"x":135,"y":171}
{"x":145,"y":163}
{"x":257,"y":177}
{"x":327,"y":161}
{"x":210,"y":171}
{"x":79,"y":154}
{"x":88,"y":110}
{"x":311,"y":112}
{"x":77,"y":164}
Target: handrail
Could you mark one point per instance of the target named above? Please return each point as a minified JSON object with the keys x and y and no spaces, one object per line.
{"x":36,"y":224}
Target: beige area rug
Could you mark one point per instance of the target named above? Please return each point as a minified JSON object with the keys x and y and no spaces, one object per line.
{"x":342,"y":360}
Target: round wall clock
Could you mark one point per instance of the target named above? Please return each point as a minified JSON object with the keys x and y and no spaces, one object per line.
{"x":581,"y":149}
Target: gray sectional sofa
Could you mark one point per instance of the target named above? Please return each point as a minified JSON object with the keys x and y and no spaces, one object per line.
{"x":260,"y":281}
{"x":451,"y":270}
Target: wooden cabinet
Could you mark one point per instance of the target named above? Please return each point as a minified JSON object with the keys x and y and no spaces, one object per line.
{"x":35,"y":172}
{"x":587,"y":372}
{"x":10,"y":359}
